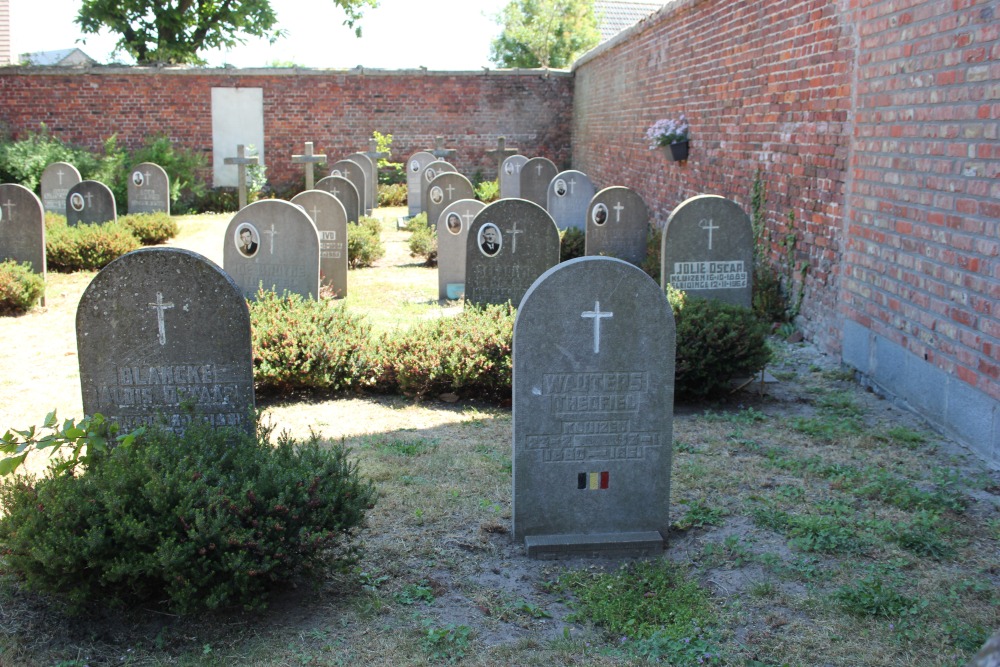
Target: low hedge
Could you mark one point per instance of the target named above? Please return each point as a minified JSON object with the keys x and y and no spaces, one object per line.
{"x":20,"y":288}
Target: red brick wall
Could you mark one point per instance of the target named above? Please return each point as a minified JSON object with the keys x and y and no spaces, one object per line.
{"x":337,"y":111}
{"x":766,"y":86}
{"x":922,"y":262}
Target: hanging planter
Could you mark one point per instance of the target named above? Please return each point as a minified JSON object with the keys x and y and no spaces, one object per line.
{"x":670,"y":135}
{"x":678,"y":152}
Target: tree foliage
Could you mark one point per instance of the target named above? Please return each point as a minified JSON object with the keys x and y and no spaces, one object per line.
{"x":176,"y":31}
{"x":544,"y":33}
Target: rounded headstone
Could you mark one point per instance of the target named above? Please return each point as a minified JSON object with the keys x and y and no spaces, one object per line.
{"x":57,"y":179}
{"x":345,"y":192}
{"x":22,"y":227}
{"x":330,"y":218}
{"x":148,"y":189}
{"x":355,"y":173}
{"x":452,"y":230}
{"x":430,"y":172}
{"x":510,"y":176}
{"x":536,"y":174}
{"x":414,"y":180}
{"x":90,"y":202}
{"x":618,"y":225}
{"x":567,"y":197}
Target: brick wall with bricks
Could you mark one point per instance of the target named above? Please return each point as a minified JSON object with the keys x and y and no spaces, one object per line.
{"x":337,"y":111}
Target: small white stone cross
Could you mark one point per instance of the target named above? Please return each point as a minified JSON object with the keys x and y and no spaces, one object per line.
{"x":618,"y":211}
{"x":160,"y":307}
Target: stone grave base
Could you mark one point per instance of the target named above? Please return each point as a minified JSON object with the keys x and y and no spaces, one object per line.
{"x":645,"y":543}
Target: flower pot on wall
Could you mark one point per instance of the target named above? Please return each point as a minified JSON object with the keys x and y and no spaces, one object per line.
{"x":678,"y":152}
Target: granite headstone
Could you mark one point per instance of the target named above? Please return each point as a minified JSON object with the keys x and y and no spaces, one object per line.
{"x":355,"y":173}
{"x":414,"y":180}
{"x":148,"y":189}
{"x":568,"y":196}
{"x":452,"y":231}
{"x":448,"y":187}
{"x":511,"y":242}
{"x":22,"y":227}
{"x":370,"y":170}
{"x":593,"y":381}
{"x":57,"y":179}
{"x":431,"y":171}
{"x":273,"y":244}
{"x":90,"y":202}
{"x":345,"y":192}
{"x":161,"y":328}
{"x":510,"y":176}
{"x":536,"y":174}
{"x":618,"y":225}
{"x":707,"y":250}
{"x":330,"y":218}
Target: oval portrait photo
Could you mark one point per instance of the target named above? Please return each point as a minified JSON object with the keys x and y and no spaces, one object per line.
{"x":454,"y":223}
{"x":489,"y":239}
{"x":76,"y":201}
{"x":247,"y":239}
{"x":599,"y":214}
{"x":138,"y":179}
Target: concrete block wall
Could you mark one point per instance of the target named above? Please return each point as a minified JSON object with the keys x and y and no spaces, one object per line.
{"x":336,"y":110}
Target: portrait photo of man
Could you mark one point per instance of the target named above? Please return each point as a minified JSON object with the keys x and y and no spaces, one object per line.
{"x":76,"y":201}
{"x":489,"y":239}
{"x":247,"y":241}
{"x":560,"y":188}
{"x":600,"y":214}
{"x":138,"y":179}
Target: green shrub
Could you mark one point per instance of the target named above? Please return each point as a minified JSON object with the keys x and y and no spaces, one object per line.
{"x":364,"y":243}
{"x":304,"y":344}
{"x":572,"y":244}
{"x":85,"y":247}
{"x":419,"y":221}
{"x":423,"y":243}
{"x":24,"y":160}
{"x":488,"y":191}
{"x":716,"y":341}
{"x":469,"y":354}
{"x":210,"y":519}
{"x":20,"y":287}
{"x":150,"y":228}
{"x":392,"y":194}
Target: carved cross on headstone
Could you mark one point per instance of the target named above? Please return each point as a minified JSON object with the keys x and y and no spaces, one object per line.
{"x":160,"y":324}
{"x":501,"y":153}
{"x":9,"y":205}
{"x":597,"y":316}
{"x":618,"y":211}
{"x":440,"y":152}
{"x":708,"y":225}
{"x":309,"y":159}
{"x":241,"y":161}
{"x":271,"y":233}
{"x":514,"y":231}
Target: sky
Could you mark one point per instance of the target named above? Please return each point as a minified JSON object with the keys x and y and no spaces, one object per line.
{"x":399,"y":34}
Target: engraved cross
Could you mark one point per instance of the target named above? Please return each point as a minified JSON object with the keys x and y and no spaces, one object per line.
{"x":514,"y":231}
{"x":597,"y":316}
{"x":9,"y":205}
{"x":160,"y":325}
{"x":709,"y":225}
{"x":272,"y":232}
{"x":468,"y":216}
{"x":618,"y":211}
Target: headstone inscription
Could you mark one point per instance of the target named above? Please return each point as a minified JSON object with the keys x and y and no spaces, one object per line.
{"x":242,"y":161}
{"x":330,"y":218}
{"x":510,"y":176}
{"x":501,"y":153}
{"x":90,"y":202}
{"x":593,"y":382}
{"x":148,"y":189}
{"x":536,"y":174}
{"x":446,"y":188}
{"x":452,"y":231}
{"x":354,"y":172}
{"x":567,"y":198}
{"x":22,"y":227}
{"x":432,"y":171}
{"x":414,"y":180}
{"x":511,"y":242}
{"x":371,"y":184}
{"x":309,"y":159}
{"x":618,"y":225}
{"x":159,"y":328}
{"x":707,"y":250}
{"x":57,"y":179}
{"x":273,"y":244}
{"x":345,"y":192}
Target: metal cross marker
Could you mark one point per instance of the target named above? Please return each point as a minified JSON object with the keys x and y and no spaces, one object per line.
{"x":271,"y":233}
{"x":514,"y":231}
{"x":618,"y":211}
{"x":597,"y":316}
{"x":9,"y":205}
{"x":160,"y":307}
{"x":709,"y":225}
{"x":241,"y":161}
{"x":309,"y":159}
{"x":501,"y":153}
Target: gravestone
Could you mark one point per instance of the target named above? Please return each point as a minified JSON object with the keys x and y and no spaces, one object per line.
{"x":452,"y":232}
{"x":90,"y":202}
{"x":374,"y":154}
{"x":593,"y":382}
{"x":501,"y":153}
{"x":346,"y":194}
{"x":330,"y":218}
{"x":242,"y":161}
{"x":309,"y":159}
{"x":618,"y":225}
{"x":414,"y":180}
{"x":371,"y":184}
{"x":355,"y":173}
{"x":273,"y":244}
{"x":432,"y":171}
{"x":159,"y":328}
{"x":510,"y":176}
{"x":707,"y":250}
{"x":567,"y":198}
{"x":57,"y":179}
{"x":511,"y":242}
{"x":148,"y":189}
{"x":536,"y":174}
{"x":440,"y":152}
{"x":22,"y":227}
{"x":448,"y":187}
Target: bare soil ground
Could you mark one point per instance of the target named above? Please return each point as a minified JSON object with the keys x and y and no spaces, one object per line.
{"x":439,"y":555}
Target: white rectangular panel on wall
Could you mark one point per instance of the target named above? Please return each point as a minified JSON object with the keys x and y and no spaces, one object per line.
{"x":237,"y":118}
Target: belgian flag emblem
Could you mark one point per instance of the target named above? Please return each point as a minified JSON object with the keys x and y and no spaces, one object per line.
{"x":592,"y":481}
